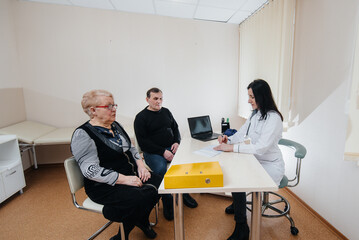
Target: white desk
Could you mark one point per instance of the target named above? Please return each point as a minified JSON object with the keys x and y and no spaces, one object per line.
{"x":241,"y":173}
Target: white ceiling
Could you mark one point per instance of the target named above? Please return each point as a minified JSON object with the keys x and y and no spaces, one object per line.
{"x":226,"y":11}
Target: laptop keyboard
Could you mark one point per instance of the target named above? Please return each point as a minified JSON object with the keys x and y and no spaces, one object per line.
{"x":204,"y":136}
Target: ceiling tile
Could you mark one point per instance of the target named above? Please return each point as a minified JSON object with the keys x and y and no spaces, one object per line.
{"x":229,"y":4}
{"x":62,"y":2}
{"x":174,"y":9}
{"x":213,"y":14}
{"x":231,"y":11}
{"x":138,"y":6}
{"x":239,"y":17}
{"x":253,"y":5}
{"x":102,"y":4}
{"x":193,"y":2}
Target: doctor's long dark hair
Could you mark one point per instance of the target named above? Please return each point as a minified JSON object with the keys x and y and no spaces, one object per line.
{"x":264,"y":98}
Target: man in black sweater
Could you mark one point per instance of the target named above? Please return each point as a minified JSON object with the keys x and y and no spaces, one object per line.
{"x":159,"y":138}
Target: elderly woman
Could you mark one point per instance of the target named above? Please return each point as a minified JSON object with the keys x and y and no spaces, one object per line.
{"x":115,"y":175}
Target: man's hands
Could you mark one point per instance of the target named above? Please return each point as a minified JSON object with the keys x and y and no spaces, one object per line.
{"x":168,"y":155}
{"x":174,"y":148}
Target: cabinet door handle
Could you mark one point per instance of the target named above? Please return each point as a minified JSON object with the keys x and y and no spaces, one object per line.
{"x":11,"y":173}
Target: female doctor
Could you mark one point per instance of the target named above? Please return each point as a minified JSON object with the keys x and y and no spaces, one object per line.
{"x":259,"y":136}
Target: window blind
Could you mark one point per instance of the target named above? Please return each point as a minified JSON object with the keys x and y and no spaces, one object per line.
{"x":352,"y":138}
{"x":265,"y":51}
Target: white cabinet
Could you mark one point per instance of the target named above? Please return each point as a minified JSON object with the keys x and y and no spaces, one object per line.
{"x":12,"y":177}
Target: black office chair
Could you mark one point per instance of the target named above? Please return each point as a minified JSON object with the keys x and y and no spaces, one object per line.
{"x":273,"y":208}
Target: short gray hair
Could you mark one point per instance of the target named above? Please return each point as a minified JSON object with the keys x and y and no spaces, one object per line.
{"x":90,"y":99}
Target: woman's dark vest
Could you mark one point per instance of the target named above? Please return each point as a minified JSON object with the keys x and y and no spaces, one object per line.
{"x":110,"y":155}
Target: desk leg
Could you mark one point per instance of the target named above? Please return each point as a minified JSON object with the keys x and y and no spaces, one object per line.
{"x":256,"y":216}
{"x":178,"y":216}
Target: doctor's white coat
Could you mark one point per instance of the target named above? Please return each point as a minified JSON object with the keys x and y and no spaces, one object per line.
{"x":264,"y":135}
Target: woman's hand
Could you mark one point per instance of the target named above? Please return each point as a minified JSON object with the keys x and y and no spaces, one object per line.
{"x":224,"y":147}
{"x":143,"y":173}
{"x":174,"y":148}
{"x":222,"y":139}
{"x":129,"y":180}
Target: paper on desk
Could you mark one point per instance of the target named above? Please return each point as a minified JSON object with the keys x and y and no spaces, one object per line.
{"x":208,"y":151}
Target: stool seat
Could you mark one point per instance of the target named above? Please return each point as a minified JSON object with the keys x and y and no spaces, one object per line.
{"x":283,"y":182}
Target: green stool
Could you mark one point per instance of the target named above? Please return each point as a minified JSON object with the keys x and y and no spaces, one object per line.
{"x":273,"y":208}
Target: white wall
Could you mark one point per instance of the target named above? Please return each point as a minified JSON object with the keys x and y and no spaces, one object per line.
{"x":65,"y":51}
{"x":9,"y":68}
{"x":323,"y":54}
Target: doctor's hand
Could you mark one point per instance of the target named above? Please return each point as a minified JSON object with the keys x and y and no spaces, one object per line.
{"x":168,"y":155}
{"x":222,"y":139}
{"x":224,"y":147}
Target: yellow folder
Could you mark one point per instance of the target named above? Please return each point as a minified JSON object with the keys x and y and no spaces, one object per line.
{"x":194,"y":175}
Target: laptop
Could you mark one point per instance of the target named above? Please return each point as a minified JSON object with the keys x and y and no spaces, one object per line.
{"x":201,"y":128}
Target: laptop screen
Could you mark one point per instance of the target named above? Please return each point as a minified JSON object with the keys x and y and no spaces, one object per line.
{"x":199,"y":125}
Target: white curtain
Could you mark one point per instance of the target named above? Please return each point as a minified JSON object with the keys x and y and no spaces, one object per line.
{"x":352,"y":138}
{"x":265,"y":51}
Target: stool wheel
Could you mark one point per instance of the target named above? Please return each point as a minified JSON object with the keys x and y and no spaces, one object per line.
{"x":294,"y":230}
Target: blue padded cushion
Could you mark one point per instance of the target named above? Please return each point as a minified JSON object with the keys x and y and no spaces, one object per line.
{"x":230,"y":132}
{"x":284,"y":182}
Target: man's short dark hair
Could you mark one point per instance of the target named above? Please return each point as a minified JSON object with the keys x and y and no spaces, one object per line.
{"x":153,"y":90}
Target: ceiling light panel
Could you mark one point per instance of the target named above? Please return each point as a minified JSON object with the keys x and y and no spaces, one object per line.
{"x":213,"y":14}
{"x":138,"y":6}
{"x":102,"y":4}
{"x":175,"y":9}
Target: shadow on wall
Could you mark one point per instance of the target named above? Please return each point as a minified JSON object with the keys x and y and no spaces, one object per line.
{"x":12,"y":106}
{"x":323,"y":55}
{"x":52,"y":110}
{"x":60,"y":112}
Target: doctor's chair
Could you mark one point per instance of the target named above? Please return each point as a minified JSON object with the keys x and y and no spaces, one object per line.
{"x":76,"y":182}
{"x":272,"y":203}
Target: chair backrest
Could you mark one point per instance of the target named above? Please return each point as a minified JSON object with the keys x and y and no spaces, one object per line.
{"x":300,"y":152}
{"x":137,"y":145}
{"x":74,"y":175}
